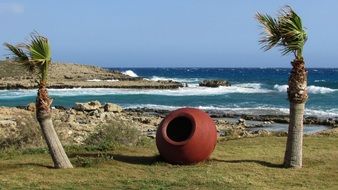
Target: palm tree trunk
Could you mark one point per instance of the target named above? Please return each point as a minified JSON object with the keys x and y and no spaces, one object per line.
{"x":297,"y":95}
{"x":43,"y":114}
{"x":293,"y":153}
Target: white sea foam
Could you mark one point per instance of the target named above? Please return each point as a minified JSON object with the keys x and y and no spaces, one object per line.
{"x":130,"y":73}
{"x":99,"y":80}
{"x":112,"y":80}
{"x":320,"y":81}
{"x":191,"y":90}
{"x":281,"y":88}
{"x":319,"y":90}
{"x":11,"y":94}
{"x":193,"y":85}
{"x":322,"y":113}
{"x":94,"y":80}
{"x":188,"y":80}
{"x":153,"y":106}
{"x":259,"y":110}
{"x":250,"y":85}
{"x":311,"y":89}
{"x":245,"y":110}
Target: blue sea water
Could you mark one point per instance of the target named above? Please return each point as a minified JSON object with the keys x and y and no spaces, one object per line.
{"x":253,"y":91}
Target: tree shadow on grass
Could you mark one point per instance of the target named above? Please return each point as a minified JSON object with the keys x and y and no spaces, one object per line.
{"x":142,"y":160}
{"x":23,"y":165}
{"x":36,"y":165}
{"x":260,"y":162}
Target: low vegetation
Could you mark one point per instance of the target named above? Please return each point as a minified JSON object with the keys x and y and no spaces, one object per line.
{"x":26,"y":134}
{"x":248,"y":163}
{"x":113,"y":135}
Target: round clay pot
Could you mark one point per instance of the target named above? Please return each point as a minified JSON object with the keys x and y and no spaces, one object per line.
{"x":186,"y":136}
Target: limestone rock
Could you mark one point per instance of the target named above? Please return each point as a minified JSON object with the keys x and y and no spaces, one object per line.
{"x":214,"y":83}
{"x":89,"y":106}
{"x":110,"y":107}
{"x":241,"y":121}
{"x":262,"y":132}
{"x":31,"y":107}
{"x":7,"y":124}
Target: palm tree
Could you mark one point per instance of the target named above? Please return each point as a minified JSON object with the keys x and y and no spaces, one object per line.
{"x":37,"y":55}
{"x":288,"y":33}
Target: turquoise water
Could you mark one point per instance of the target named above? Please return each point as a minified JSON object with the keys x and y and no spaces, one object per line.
{"x":253,"y":91}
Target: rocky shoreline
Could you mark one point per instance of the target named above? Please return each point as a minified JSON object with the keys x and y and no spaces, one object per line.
{"x":332,"y":122}
{"x":75,"y":124}
{"x":13,"y":76}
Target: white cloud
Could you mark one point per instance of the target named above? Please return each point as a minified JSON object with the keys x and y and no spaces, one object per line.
{"x":13,"y":8}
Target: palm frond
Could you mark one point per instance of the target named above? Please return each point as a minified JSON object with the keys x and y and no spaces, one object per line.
{"x":286,"y":31}
{"x":18,"y":54}
{"x":270,"y":36}
{"x":39,"y":49}
{"x":292,"y":31}
{"x":35,"y":53}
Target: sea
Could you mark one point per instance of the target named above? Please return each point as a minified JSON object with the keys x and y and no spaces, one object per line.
{"x":252,"y":91}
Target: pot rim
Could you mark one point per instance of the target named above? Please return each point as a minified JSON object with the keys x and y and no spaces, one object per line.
{"x":165,"y":126}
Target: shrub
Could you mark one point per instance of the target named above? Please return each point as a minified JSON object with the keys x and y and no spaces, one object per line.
{"x":112,"y":135}
{"x":26,"y":134}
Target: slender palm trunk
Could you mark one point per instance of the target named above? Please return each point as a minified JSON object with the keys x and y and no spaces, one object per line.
{"x":43,"y":115}
{"x":293,"y":153}
{"x":297,"y":95}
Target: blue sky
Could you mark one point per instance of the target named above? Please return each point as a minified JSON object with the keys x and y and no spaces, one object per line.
{"x":167,"y":33}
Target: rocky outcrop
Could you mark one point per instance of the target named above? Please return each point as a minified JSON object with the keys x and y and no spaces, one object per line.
{"x":14,"y":76}
{"x":214,"y":83}
{"x":31,"y":107}
{"x":95,"y":107}
{"x":89,"y":106}
{"x":110,"y":107}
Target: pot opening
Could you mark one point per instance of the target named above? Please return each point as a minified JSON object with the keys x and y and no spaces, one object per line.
{"x":180,"y":129}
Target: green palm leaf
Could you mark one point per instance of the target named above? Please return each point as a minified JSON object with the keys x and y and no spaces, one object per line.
{"x":286,"y":32}
{"x":18,"y":53}
{"x":292,"y":31}
{"x":34,"y":54}
{"x":39,"y":49}
{"x":271,"y":35}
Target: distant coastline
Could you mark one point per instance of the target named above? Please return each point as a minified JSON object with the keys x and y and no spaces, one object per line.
{"x":13,"y":76}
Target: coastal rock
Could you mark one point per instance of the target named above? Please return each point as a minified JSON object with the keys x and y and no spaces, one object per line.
{"x":262,"y":132}
{"x":8,"y":130}
{"x":76,"y":76}
{"x":70,"y":118}
{"x":241,"y":121}
{"x":89,"y":106}
{"x":68,"y":77}
{"x":7,"y":124}
{"x":214,"y":83}
{"x":110,"y":107}
{"x":60,"y":107}
{"x":31,"y":107}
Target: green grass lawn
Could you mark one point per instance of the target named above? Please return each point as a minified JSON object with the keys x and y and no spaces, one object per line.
{"x":250,"y":163}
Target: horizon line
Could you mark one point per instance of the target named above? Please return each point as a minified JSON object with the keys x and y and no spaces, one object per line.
{"x":183,"y":67}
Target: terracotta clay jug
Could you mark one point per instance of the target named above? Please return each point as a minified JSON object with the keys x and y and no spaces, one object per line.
{"x":186,"y":136}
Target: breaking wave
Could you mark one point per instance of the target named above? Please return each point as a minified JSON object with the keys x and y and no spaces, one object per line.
{"x":191,"y":90}
{"x":188,"y":80}
{"x":311,"y":89}
{"x":259,"y":110}
{"x":130,"y":73}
